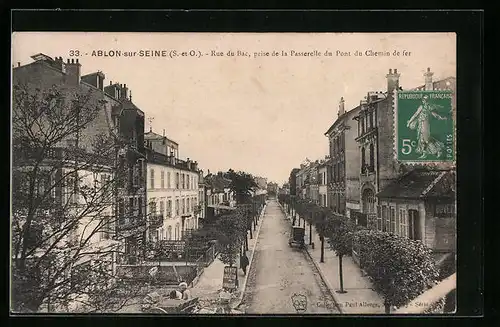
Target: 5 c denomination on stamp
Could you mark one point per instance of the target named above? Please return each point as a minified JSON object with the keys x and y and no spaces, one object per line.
{"x":424,"y":126}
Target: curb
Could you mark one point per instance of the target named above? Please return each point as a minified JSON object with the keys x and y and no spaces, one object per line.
{"x":330,"y":288}
{"x":240,"y":298}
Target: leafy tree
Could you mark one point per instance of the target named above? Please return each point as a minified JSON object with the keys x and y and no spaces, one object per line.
{"x":400,"y":268}
{"x":231,"y":230}
{"x":242,"y":184}
{"x":340,"y":233}
{"x":62,"y":195}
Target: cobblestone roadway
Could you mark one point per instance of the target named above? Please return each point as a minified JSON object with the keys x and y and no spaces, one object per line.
{"x":278,"y":272}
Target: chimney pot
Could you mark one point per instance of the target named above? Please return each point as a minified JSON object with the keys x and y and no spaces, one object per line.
{"x":390,"y":70}
{"x":428,"y":69}
{"x":395,"y":70}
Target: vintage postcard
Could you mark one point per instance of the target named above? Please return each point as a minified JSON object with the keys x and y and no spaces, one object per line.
{"x":233,"y":173}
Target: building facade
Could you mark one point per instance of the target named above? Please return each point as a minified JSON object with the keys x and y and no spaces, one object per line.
{"x":119,"y":119}
{"x":343,"y":184}
{"x":172,"y":189}
{"x":324,"y":171}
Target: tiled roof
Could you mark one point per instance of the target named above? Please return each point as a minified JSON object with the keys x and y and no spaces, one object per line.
{"x":421,"y":183}
{"x":217,"y":182}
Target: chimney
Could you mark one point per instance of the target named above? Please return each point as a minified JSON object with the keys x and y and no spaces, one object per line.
{"x":341,"y":107}
{"x":73,"y":73}
{"x":392,"y":81}
{"x":164,"y":132}
{"x":428,"y":79}
{"x":124,"y":92}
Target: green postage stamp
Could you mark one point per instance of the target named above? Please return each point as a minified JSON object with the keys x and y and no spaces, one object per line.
{"x":424,"y":124}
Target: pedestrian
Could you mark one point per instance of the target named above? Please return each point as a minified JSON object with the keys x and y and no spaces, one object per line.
{"x":186,"y":295}
{"x":244,"y":263}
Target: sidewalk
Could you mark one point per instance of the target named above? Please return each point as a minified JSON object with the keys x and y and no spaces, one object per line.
{"x":360,"y":297}
{"x":209,"y":284}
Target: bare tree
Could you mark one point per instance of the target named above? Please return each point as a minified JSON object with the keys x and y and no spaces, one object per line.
{"x":64,"y":187}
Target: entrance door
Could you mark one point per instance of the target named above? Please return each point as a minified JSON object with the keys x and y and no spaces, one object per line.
{"x":414,"y":224}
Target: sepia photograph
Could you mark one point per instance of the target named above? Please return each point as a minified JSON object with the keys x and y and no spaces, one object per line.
{"x":233,"y":173}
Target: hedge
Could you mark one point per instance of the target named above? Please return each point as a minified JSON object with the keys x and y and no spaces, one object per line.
{"x":400,"y":268}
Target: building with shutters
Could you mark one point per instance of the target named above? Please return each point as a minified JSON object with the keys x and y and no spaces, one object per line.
{"x":343,"y":182}
{"x":172,"y":189}
{"x":111,"y":229}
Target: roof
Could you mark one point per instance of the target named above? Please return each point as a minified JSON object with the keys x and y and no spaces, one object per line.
{"x":153,"y":136}
{"x":421,"y":183}
{"x":217,"y":182}
{"x":341,"y":118}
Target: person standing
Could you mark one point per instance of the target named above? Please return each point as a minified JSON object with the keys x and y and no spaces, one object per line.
{"x":244,"y":263}
{"x":186,"y":295}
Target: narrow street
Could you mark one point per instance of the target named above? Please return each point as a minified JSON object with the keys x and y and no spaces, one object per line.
{"x":278,"y":272}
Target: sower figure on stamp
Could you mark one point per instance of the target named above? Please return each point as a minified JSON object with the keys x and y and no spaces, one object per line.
{"x":420,"y":121}
{"x":244,"y":263}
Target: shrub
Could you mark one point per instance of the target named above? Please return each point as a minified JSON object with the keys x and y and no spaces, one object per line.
{"x":400,"y":268}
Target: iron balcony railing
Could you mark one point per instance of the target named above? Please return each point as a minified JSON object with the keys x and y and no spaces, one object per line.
{"x":130,"y":222}
{"x":156,"y":220}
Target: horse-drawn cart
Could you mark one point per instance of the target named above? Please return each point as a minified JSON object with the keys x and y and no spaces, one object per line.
{"x":297,"y":237}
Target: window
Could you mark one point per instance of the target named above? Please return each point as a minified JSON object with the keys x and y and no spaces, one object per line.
{"x":169,"y":208}
{"x":379,"y":218}
{"x":131,"y":206}
{"x":152,"y":207}
{"x":363,"y":161}
{"x":188,"y":184}
{"x":188,"y":205}
{"x":162,"y":208}
{"x":177,"y":232}
{"x":152,"y":179}
{"x":372,"y":159}
{"x":370,"y":120}
{"x":177,"y":207}
{"x":139,"y":206}
{"x":393,"y":220}
{"x":182,"y":181}
{"x":413,"y":225}
{"x":169,"y":233}
{"x":169,"y":184}
{"x":162,"y":179}
{"x":401,"y":223}
{"x":121,"y":211}
{"x":183,"y":206}
{"x":384,"y":219}
{"x":368,"y":201}
{"x":177,"y":180}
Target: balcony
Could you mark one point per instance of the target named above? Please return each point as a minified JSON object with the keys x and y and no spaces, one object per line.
{"x":155,"y":221}
{"x":131,"y":222}
{"x":367,"y":170}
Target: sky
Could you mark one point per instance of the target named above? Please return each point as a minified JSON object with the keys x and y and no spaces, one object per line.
{"x":260,"y":114}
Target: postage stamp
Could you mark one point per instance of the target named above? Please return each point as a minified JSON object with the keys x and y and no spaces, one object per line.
{"x":424,"y":126}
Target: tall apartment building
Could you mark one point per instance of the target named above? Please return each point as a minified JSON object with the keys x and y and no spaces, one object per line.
{"x":172,"y":189}
{"x":119,"y":118}
{"x":343,"y":186}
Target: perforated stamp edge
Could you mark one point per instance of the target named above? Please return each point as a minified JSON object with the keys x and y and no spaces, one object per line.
{"x":429,"y":164}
